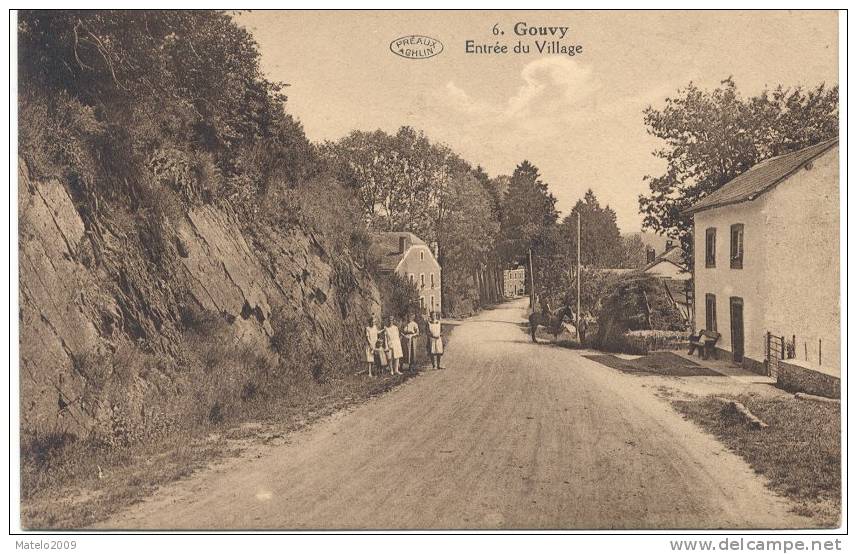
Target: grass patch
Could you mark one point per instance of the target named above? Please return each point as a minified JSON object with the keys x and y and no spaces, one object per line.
{"x":569,"y":343}
{"x":799,"y":452}
{"x":79,"y":483}
{"x":70,"y":483}
{"x":94,"y":483}
{"x":660,"y":363}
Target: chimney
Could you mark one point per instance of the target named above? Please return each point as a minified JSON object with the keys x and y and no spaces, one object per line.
{"x":403,"y":243}
{"x":668,"y":245}
{"x":650,"y":254}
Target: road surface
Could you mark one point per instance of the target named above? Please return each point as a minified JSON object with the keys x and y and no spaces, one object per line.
{"x":509,"y":435}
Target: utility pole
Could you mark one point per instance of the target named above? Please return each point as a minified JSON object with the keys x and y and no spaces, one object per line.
{"x":577,"y":323}
{"x":532,"y":282}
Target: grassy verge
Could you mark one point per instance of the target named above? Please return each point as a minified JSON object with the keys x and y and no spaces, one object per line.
{"x":70,"y":484}
{"x":660,"y":363}
{"x":79,"y":483}
{"x":799,"y":453}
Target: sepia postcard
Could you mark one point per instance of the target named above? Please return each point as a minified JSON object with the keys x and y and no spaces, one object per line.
{"x":428,"y":270}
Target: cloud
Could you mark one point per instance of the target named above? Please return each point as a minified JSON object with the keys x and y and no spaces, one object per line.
{"x":551,"y":80}
{"x":551,"y":86}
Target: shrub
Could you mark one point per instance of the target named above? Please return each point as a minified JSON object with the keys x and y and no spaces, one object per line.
{"x":190,"y":173}
{"x":645,"y":341}
{"x":43,"y":448}
{"x":56,"y":136}
{"x":322,"y":206}
{"x":636,"y":303}
{"x":399,"y":296}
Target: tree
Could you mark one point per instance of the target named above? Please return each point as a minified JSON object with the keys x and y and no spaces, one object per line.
{"x":466,"y":241}
{"x":633,"y":252}
{"x":183,"y":87}
{"x":393,"y":175}
{"x":553,"y":271}
{"x":601,"y":244}
{"x":399,"y":296}
{"x":407,"y":183}
{"x":713,"y":136}
{"x":527,"y":209}
{"x":492,"y":189}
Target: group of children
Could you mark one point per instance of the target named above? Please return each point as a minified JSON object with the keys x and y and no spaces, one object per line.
{"x":388,"y":345}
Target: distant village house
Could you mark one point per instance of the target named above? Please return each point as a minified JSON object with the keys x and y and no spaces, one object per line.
{"x":514,"y":282}
{"x":410,"y":257}
{"x":675,"y":277}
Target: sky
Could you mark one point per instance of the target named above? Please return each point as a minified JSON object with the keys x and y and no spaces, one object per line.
{"x":578,"y":118}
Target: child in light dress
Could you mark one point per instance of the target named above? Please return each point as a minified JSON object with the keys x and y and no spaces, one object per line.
{"x":435,"y":340}
{"x":393,"y":345}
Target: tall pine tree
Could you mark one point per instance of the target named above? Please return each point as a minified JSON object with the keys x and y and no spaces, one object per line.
{"x":528,"y":209}
{"x":601,"y":243}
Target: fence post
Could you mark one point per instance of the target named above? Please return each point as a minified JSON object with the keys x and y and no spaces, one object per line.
{"x":819,"y":351}
{"x":767,"y":347}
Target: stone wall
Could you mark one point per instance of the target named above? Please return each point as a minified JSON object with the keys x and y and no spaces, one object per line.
{"x":795,"y":378}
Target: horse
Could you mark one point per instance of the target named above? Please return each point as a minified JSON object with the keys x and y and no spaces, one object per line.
{"x":553,"y":322}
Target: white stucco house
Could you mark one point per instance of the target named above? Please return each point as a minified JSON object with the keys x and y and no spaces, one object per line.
{"x":514,"y":282}
{"x":410,"y":257}
{"x":766,"y":260}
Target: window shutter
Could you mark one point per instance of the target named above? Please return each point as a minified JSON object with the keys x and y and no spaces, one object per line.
{"x":736,"y":246}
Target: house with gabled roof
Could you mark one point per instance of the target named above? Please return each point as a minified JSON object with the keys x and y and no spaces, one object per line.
{"x":670,"y":268}
{"x":669,"y":264}
{"x":407,"y":255}
{"x":766,"y":262}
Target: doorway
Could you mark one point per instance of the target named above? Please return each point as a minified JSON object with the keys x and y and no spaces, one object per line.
{"x":736,"y":318}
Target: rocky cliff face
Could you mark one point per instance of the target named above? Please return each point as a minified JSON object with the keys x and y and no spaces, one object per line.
{"x":93,"y":295}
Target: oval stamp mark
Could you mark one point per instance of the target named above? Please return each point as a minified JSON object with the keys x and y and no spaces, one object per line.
{"x":416,"y":47}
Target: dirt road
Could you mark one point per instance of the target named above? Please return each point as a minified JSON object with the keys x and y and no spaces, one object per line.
{"x":509,"y":435}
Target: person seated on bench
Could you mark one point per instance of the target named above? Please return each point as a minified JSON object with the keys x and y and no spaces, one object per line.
{"x":694,"y":341}
{"x":703,"y":342}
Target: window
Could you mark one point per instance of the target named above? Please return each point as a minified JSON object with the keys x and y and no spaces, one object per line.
{"x":710,"y":246}
{"x":432,"y":303}
{"x":422,"y":303}
{"x":422,"y":255}
{"x":412,"y":278}
{"x":422,"y":280}
{"x":431,"y":275}
{"x":736,"y":246}
{"x":710,"y":312}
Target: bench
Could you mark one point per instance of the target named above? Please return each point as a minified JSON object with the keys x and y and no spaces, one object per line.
{"x":704,"y":343}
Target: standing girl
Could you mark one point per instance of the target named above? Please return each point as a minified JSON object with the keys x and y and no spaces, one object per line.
{"x":411,"y":332}
{"x":394,"y":345}
{"x":371,"y":340}
{"x":435,"y":340}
